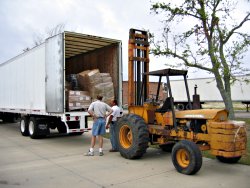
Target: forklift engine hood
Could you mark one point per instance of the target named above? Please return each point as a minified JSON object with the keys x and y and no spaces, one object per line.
{"x":209,"y":114}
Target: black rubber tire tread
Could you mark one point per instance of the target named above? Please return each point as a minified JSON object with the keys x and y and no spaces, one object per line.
{"x":25,"y":120}
{"x":35,"y":132}
{"x":10,"y":118}
{"x":61,"y":127}
{"x":229,"y":160}
{"x":195,"y":157}
{"x":140,"y":136}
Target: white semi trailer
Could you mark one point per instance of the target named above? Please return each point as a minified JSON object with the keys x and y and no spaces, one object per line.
{"x":206,"y":88}
{"x":208,"y":92}
{"x":33,"y":84}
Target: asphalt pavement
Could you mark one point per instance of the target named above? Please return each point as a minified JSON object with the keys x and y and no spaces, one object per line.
{"x":59,"y":161}
{"x":242,"y":114}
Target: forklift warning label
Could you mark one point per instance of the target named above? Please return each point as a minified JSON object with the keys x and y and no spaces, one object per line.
{"x":194,"y":116}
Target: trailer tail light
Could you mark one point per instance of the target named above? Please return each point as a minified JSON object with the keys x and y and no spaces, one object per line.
{"x":77,"y":118}
{"x":68,"y":118}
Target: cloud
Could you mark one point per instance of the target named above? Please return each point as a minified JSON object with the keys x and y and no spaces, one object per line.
{"x":22,"y":20}
{"x":107,"y":16}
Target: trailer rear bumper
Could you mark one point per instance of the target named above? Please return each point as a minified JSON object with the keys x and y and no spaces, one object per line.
{"x":76,"y":122}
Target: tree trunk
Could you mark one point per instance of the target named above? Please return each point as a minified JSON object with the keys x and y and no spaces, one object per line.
{"x":226,"y":95}
{"x":229,"y":106}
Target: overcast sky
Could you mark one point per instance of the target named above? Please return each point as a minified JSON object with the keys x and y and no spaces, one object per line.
{"x":22,"y":20}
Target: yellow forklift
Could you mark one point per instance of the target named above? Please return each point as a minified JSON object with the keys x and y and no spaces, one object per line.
{"x":183,"y":132}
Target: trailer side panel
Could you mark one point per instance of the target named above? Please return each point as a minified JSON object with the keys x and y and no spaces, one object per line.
{"x":55,"y":74}
{"x":22,"y":82}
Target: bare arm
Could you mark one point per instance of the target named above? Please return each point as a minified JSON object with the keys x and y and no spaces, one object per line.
{"x":109,"y":121}
{"x":91,"y":113}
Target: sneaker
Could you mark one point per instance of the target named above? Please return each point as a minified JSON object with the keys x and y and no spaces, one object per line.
{"x":101,"y":153}
{"x":89,"y":153}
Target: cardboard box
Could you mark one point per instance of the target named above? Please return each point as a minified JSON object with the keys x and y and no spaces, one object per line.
{"x":77,"y":105}
{"x":78,"y":93}
{"x":88,"y":78}
{"x":97,"y":84}
{"x":78,"y":100}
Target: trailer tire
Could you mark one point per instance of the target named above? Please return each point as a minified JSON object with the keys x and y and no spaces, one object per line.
{"x":61,"y":127}
{"x":38,"y":128}
{"x":10,"y":117}
{"x":24,"y":126}
{"x":33,"y":131}
{"x":186,"y":157}
{"x":180,"y":106}
{"x":133,"y":136}
{"x":229,"y":160}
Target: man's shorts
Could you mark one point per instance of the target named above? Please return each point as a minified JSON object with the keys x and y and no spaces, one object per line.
{"x":99,"y":127}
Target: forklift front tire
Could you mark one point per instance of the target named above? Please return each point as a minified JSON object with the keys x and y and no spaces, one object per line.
{"x":186,"y":157}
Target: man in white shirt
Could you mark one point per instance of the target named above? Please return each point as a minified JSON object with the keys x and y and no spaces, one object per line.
{"x":98,"y":111}
{"x":112,"y":124}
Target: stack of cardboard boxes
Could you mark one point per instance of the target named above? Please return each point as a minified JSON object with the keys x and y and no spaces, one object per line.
{"x":78,"y":100}
{"x":97,"y":83}
{"x":91,"y":83}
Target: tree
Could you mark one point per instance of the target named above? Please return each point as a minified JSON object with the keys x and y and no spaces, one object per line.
{"x":40,"y":38}
{"x":214,"y":42}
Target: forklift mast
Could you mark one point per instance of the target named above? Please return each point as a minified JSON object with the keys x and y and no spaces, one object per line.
{"x":138,"y":64}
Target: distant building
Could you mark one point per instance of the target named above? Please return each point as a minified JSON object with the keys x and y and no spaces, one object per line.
{"x":206,"y":88}
{"x":152,"y":91}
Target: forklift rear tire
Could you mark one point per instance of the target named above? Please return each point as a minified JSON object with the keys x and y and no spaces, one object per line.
{"x":186,"y":157}
{"x":229,"y":160}
{"x":133,"y":136}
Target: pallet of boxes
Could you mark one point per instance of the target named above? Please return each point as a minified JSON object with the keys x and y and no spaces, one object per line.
{"x":90,"y":83}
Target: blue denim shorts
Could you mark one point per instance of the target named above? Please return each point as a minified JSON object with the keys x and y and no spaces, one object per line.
{"x":99,"y":127}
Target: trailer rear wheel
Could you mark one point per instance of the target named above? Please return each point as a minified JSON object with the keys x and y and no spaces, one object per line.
{"x":33,"y":132}
{"x":229,"y":160}
{"x":186,"y":157}
{"x":38,"y":128}
{"x":10,"y":117}
{"x":61,"y":127}
{"x":133,"y":136}
{"x":24,"y":126}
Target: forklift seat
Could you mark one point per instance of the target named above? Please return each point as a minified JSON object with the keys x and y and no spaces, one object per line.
{"x":166,"y":106}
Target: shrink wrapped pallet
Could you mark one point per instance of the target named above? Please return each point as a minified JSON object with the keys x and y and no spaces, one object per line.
{"x":72,"y":80}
